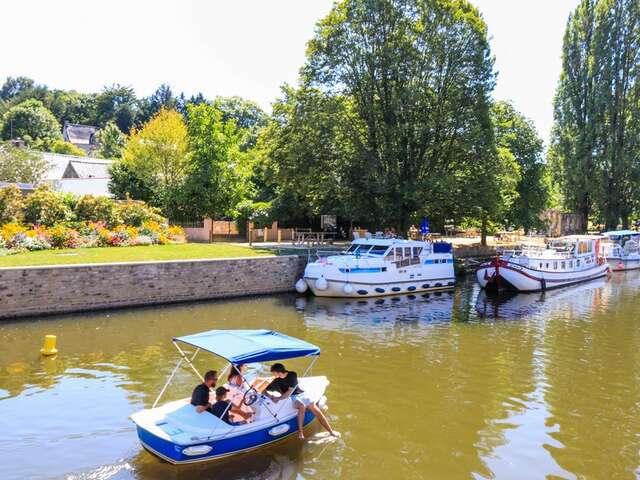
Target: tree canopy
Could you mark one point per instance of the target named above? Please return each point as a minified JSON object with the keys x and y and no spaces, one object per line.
{"x":597,"y":107}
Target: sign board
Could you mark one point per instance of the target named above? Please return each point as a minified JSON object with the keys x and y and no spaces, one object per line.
{"x":328,"y":223}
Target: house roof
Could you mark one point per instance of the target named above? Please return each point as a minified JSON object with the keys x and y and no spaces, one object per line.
{"x":90,"y":168}
{"x":83,"y":167}
{"x":79,"y":134}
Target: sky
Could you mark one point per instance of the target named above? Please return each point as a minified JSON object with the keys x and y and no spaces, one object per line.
{"x":248,"y":48}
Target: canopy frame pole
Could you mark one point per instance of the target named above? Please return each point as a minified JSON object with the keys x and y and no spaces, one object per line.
{"x":315,"y":358}
{"x":184,"y":355}
{"x":175,"y":369}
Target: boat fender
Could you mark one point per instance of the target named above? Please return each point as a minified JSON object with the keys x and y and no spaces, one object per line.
{"x":279,"y":430}
{"x":197,"y":450}
{"x":348,"y":289}
{"x":321,"y":283}
{"x":301,"y":286}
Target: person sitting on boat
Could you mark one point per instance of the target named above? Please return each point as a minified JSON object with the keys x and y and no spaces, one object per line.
{"x":223,"y":407}
{"x":286,"y":383}
{"x":200,"y":395}
{"x":237,"y":388}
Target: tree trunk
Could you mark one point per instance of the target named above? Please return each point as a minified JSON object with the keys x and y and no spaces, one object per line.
{"x":483,"y":231}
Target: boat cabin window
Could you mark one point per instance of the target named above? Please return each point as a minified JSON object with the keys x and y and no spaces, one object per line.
{"x":378,"y":249}
{"x":570,"y":263}
{"x":547,"y":265}
{"x":555,"y":265}
{"x":563,"y":265}
{"x":352,"y":248}
{"x":417,"y":251}
{"x":407,"y":252}
{"x":577,"y":263}
{"x":362,"y":249}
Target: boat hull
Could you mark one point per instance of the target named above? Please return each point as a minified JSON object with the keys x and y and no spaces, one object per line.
{"x":510,"y":276}
{"x":220,"y":448}
{"x":336,"y":288}
{"x":622,"y":264}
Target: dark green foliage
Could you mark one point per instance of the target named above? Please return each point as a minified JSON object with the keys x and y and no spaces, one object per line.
{"x":518,"y":135}
{"x":125,"y":184}
{"x":597,"y":112}
{"x":32,"y":122}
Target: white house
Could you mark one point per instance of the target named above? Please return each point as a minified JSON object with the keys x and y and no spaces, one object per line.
{"x":82,"y":136}
{"x":78,"y":175}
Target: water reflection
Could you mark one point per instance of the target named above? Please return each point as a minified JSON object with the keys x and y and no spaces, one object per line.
{"x":421,"y":387}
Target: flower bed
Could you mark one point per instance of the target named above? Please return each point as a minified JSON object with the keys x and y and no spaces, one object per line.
{"x":15,"y":237}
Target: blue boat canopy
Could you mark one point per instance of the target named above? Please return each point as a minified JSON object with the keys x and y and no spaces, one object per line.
{"x":620,"y":233}
{"x":250,"y":346}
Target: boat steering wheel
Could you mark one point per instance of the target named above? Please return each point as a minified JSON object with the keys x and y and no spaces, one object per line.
{"x":250,"y":397}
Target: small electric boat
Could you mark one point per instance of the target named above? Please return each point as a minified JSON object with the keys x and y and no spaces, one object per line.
{"x":562,"y":262}
{"x":620,"y":248}
{"x":373,"y":267}
{"x":177,"y":433}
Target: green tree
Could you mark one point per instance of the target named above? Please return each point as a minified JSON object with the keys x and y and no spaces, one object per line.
{"x":415,"y":78}
{"x":66,"y":148}
{"x":112,"y":141}
{"x":249,"y":118}
{"x":597,"y":125}
{"x":21,"y":165}
{"x":124,"y":183}
{"x":32,"y":122}
{"x":162,"y":98}
{"x":518,"y":135}
{"x":117,"y":104}
{"x":218,"y":174}
{"x":158,"y":155}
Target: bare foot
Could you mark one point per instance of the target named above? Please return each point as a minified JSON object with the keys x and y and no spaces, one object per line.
{"x":301,"y":436}
{"x":335,"y":434}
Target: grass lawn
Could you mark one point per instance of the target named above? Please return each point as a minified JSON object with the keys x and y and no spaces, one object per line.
{"x":187,"y":251}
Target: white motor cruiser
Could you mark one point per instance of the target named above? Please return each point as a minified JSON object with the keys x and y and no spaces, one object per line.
{"x":378,"y":266}
{"x":620,"y":248}
{"x":562,"y":262}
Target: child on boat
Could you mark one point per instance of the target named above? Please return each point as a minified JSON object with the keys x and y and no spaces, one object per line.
{"x":223,"y":407}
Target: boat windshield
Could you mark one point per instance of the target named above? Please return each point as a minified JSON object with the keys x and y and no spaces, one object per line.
{"x":378,"y":250}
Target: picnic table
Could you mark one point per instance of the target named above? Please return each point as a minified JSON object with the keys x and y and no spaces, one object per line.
{"x":314,"y":238}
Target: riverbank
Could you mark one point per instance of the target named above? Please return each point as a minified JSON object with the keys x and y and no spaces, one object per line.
{"x":45,"y":290}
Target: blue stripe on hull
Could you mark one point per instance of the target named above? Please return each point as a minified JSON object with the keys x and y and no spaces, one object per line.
{"x":221,"y":448}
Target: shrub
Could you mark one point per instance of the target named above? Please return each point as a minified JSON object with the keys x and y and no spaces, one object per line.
{"x":63,"y":237}
{"x":10,"y":229}
{"x":11,"y":204}
{"x":135,"y":213}
{"x":66,"y":148}
{"x":257,"y":212}
{"x":45,"y":207}
{"x":97,"y":208}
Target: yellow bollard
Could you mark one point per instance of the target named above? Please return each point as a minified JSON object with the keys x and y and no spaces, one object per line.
{"x":49,"y":347}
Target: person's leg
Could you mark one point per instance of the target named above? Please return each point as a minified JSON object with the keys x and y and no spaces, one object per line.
{"x":301,"y":409}
{"x":323,"y":420}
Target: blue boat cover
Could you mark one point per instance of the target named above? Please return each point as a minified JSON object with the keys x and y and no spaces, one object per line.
{"x":250,"y":346}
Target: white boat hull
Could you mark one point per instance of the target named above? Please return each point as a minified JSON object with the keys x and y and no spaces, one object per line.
{"x":618,"y":264}
{"x":508,"y":275}
{"x":336,"y":287}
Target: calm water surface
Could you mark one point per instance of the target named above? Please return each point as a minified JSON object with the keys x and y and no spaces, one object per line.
{"x":453,"y":386}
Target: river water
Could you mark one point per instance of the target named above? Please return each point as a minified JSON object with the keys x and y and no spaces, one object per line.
{"x":456,"y":385}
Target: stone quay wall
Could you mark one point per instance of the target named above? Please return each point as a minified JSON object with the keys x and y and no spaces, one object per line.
{"x":32,"y":291}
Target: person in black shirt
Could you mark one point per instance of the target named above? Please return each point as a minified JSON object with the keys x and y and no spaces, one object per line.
{"x":286,"y":383}
{"x":200,"y":395}
{"x":223,"y":407}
